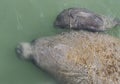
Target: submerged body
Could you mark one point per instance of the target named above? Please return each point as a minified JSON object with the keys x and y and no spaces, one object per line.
{"x":76,"y":57}
{"x":81,"y":18}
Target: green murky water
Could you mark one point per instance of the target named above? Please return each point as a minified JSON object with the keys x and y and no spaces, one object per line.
{"x":24,"y":20}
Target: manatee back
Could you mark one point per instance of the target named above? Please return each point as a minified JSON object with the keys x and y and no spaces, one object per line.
{"x":81,"y":57}
{"x":93,"y":59}
{"x":79,"y":18}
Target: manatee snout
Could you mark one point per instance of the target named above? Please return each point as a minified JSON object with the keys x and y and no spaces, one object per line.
{"x":19,"y":49}
{"x":56,"y":24}
{"x":61,"y":24}
{"x":62,"y":20}
{"x":24,"y":50}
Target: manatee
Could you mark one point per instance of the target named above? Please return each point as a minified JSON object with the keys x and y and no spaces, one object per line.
{"x":82,"y":18}
{"x":76,"y":57}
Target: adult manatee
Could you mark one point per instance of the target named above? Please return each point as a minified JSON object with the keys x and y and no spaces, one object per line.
{"x":76,"y":57}
{"x":82,"y":18}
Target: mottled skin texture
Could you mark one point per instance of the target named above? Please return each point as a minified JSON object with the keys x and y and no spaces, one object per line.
{"x":76,"y":57}
{"x":81,"y":18}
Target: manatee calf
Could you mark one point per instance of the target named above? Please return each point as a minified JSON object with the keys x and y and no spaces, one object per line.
{"x":76,"y":57}
{"x":81,"y":18}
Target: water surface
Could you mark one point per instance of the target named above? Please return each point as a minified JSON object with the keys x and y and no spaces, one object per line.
{"x":24,"y":20}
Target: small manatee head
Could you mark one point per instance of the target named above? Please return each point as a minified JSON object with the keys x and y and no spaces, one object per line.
{"x":63,"y":19}
{"x":24,"y":50}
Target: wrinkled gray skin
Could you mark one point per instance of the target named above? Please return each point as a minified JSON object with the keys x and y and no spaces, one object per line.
{"x":76,"y":57}
{"x":81,"y":18}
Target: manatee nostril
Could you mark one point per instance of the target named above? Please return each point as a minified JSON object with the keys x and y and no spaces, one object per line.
{"x":19,"y":49}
